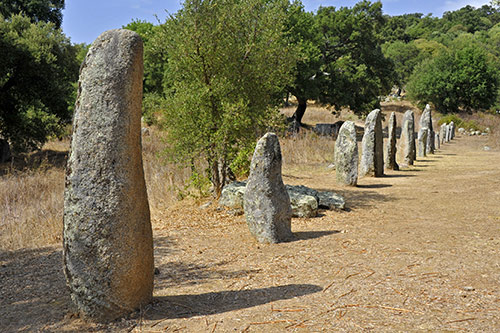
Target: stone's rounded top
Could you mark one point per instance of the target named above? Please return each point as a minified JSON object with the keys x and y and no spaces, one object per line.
{"x":117,"y":33}
{"x":373,"y":115}
{"x":348,"y":126}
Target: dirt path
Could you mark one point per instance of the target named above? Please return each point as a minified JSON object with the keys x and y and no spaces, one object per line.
{"x":418,"y":250}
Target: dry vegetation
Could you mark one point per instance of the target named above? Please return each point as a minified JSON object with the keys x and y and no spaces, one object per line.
{"x":31,"y":187}
{"x":398,"y":259}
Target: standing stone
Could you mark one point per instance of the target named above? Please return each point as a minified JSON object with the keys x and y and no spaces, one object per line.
{"x":390,"y":153}
{"x":108,"y":245}
{"x":437,"y":141}
{"x":452,"y":130}
{"x":426,"y":121}
{"x":346,"y":155}
{"x":442,"y":133}
{"x":266,"y":202}
{"x":414,"y":137}
{"x":372,"y":155}
{"x":423,"y":133}
{"x":407,"y":145}
{"x":448,"y":132}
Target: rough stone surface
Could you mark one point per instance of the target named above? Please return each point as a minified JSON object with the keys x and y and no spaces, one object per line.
{"x":372,"y":155}
{"x":448,"y":132}
{"x":330,"y":200}
{"x":232,"y":195}
{"x":346,"y":155}
{"x":266,"y":201}
{"x":423,"y":133}
{"x":407,"y":145}
{"x":108,"y":246}
{"x":452,"y":130}
{"x":328,"y":129}
{"x":5,"y":154}
{"x":390,"y":151}
{"x":437,"y":141}
{"x":304,"y":201}
{"x":426,"y":121}
{"x":442,"y":133}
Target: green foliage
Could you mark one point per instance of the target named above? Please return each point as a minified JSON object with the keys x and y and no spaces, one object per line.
{"x":36,"y":10}
{"x":37,"y":69}
{"x":455,"y":80}
{"x":228,"y":61}
{"x":341,"y":61}
{"x":152,"y":105}
{"x":154,"y":56}
{"x":405,"y":57}
{"x":449,"y":118}
{"x":471,"y":125}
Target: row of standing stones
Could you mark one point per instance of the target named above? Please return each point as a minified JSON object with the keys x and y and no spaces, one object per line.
{"x":107,"y":238}
{"x":373,"y":160}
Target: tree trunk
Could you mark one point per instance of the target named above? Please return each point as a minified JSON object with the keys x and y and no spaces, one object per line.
{"x":301,"y":109}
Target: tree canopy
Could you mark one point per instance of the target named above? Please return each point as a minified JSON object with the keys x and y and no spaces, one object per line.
{"x":455,"y":80}
{"x":37,"y":67}
{"x":36,"y":10}
{"x":228,"y":62}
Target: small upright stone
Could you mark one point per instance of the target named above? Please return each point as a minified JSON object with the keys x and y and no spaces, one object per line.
{"x":372,"y":155}
{"x":346,"y":155}
{"x":390,"y":152}
{"x":437,"y":141}
{"x":423,"y":133}
{"x":108,"y":244}
{"x":426,"y":121}
{"x":452,"y":130}
{"x":442,"y":133}
{"x":266,"y":201}
{"x":407,"y":145}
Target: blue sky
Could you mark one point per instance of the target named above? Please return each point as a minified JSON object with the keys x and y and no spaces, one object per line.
{"x":84,"y":20}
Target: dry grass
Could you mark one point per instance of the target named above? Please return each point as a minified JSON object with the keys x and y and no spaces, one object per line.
{"x":31,"y":206}
{"x":31,"y":187}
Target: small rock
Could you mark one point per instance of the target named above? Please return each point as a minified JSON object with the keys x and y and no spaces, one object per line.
{"x":205,"y":205}
{"x":468,"y":288}
{"x":331,"y":200}
{"x":145,"y":131}
{"x":486,"y":148}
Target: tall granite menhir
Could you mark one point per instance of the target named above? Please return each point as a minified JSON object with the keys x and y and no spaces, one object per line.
{"x":346,"y":155}
{"x":408,"y":146}
{"x":426,"y":121}
{"x":266,"y":202}
{"x":108,"y":246}
{"x":390,"y":151}
{"x":372,"y":154}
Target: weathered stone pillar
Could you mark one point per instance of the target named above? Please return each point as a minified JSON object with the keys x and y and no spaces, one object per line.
{"x":442,"y":133}
{"x":372,"y":154}
{"x":452,"y":130}
{"x":108,"y":246}
{"x":346,"y":155}
{"x":437,"y":141}
{"x":266,"y":202}
{"x":390,"y":152}
{"x":407,"y":145}
{"x":423,"y":133}
{"x":426,"y":121}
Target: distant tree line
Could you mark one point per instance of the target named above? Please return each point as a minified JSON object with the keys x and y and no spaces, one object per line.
{"x":216,"y":71}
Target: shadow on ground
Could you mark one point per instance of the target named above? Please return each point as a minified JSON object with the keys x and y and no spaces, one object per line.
{"x":186,"y":306}
{"x":33,"y":292}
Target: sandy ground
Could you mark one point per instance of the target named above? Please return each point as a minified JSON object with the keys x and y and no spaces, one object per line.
{"x":417,"y":250}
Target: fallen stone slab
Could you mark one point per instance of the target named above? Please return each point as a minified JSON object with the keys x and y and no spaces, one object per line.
{"x":304,"y":201}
